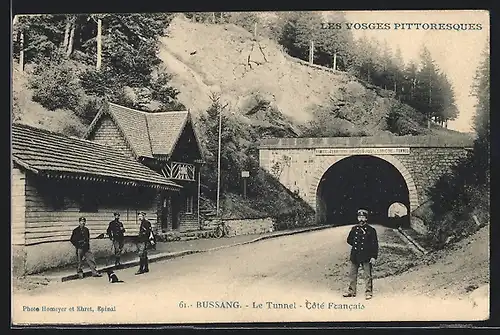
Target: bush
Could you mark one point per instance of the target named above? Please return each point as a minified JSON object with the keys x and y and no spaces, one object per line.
{"x":102,"y":83}
{"x":88,"y":108}
{"x":403,"y":120}
{"x":55,"y":86}
{"x":455,"y":198}
{"x":294,"y":219}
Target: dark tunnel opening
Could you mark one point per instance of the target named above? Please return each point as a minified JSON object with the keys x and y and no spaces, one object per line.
{"x":361,"y":181}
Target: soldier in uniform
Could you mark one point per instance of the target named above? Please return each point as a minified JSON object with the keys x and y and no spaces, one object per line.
{"x":80,"y":238}
{"x":145,"y":231}
{"x":364,"y":252}
{"x":116,"y":235}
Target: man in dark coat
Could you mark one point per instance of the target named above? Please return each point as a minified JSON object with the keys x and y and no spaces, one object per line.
{"x":116,"y":235}
{"x":364,"y":252}
{"x":145,"y":232}
{"x":80,"y":238}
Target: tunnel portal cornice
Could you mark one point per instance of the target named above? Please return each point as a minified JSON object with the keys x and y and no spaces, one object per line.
{"x":423,"y":141}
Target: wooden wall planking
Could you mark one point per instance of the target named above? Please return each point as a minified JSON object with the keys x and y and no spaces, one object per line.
{"x":18,"y":206}
{"x":43,"y":224}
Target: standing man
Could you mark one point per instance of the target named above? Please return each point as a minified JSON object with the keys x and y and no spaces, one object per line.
{"x":80,"y":238}
{"x":116,"y":235}
{"x":364,"y":252}
{"x":145,"y":231}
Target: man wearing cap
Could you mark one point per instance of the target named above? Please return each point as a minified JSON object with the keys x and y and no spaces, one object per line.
{"x":145,"y":231}
{"x":116,"y":235}
{"x":80,"y":238}
{"x":364,"y":252}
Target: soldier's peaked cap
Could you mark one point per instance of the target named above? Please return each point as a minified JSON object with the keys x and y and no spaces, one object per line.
{"x":82,"y":218}
{"x":142,"y":213}
{"x":362,"y":212}
{"x":116,"y":213}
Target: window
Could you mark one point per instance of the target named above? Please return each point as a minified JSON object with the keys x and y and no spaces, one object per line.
{"x":57,"y":201}
{"x":189,"y":204}
{"x":89,"y":202}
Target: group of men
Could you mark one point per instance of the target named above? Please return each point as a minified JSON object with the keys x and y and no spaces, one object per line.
{"x":80,"y":238}
{"x":362,"y":238}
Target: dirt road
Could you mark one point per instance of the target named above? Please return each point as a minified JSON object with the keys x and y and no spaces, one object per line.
{"x":294,"y":278}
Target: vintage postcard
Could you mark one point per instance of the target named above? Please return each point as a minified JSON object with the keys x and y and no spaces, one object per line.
{"x":244,"y":167}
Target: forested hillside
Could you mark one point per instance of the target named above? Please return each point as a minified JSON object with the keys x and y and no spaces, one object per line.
{"x":239,"y":64}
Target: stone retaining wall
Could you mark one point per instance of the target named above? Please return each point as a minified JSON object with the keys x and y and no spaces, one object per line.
{"x":250,"y":226}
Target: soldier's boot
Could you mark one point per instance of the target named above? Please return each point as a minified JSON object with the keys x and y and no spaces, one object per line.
{"x":146,"y":264}
{"x":141,"y":266}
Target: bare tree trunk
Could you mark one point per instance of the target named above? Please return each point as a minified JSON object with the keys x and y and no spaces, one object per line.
{"x":66,"y":34}
{"x":99,"y":43}
{"x":335,"y":61}
{"x":255,"y":30}
{"x":71,"y":40}
{"x":21,"y":51}
{"x":213,"y":17}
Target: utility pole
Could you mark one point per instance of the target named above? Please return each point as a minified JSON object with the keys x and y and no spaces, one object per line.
{"x":198,"y":201}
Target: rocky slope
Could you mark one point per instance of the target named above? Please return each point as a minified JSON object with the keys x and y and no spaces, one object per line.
{"x":225,"y":59}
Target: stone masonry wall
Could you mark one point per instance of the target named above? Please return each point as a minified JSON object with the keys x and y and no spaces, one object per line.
{"x":297,"y":169}
{"x":426,"y":165}
{"x":250,"y":226}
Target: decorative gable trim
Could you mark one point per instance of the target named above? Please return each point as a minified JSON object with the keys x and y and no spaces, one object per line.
{"x":189,"y":120}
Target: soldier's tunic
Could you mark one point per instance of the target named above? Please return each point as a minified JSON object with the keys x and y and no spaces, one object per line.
{"x":364,"y":242}
{"x":80,"y":238}
{"x":145,"y":231}
{"x":143,"y":238}
{"x":116,"y":234}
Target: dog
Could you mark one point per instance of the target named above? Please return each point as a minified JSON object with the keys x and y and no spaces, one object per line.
{"x":112,"y":277}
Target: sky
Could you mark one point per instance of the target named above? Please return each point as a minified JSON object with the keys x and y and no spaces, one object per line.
{"x":457,"y":53}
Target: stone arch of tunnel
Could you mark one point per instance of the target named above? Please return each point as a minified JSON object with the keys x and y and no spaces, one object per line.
{"x":363,"y":181}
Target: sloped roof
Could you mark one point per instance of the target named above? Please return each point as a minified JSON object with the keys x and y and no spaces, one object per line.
{"x":52,"y":154}
{"x":134,"y":126}
{"x":148,"y":134}
{"x":164,"y":130}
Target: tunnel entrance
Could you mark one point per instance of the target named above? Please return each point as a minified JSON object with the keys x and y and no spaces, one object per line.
{"x":361,"y":181}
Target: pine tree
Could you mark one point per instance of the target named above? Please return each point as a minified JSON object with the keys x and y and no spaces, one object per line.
{"x":481,"y":90}
{"x":409,"y":83}
{"x":427,"y":87}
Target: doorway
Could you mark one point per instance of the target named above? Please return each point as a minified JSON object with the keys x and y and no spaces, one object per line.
{"x":175,"y":210}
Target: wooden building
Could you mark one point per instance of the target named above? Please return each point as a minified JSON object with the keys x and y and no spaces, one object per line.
{"x":129,"y":161}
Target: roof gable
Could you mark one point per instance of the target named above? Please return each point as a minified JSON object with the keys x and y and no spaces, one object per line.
{"x":187,"y":145}
{"x":134,"y":126}
{"x":148,"y":134}
{"x":164,"y":130}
